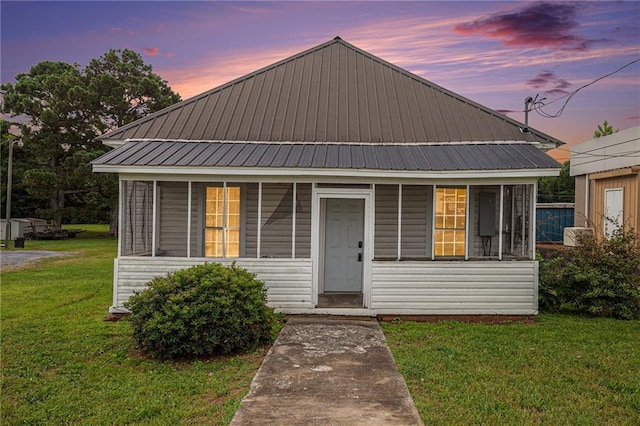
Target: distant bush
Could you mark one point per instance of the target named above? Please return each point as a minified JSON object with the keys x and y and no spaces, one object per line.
{"x":203,"y":310}
{"x":599,"y":277}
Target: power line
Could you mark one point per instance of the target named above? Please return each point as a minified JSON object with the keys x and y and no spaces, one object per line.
{"x":538,"y":104}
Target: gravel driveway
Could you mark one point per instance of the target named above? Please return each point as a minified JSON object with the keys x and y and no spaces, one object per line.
{"x":19,"y":258}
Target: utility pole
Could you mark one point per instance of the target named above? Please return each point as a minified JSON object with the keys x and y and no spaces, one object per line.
{"x":527,"y":107}
{"x":7,"y":230}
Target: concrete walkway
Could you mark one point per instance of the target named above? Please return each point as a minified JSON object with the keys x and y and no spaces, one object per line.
{"x":325,"y":371}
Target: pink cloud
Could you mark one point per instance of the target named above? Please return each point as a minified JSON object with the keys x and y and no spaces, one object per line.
{"x":151,"y":51}
{"x":161,"y":27}
{"x":540,"y":24}
{"x":170,"y":54}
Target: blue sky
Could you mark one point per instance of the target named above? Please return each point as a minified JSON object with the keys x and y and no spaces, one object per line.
{"x":495,"y":53}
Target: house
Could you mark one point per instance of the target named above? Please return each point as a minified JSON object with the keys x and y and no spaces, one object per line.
{"x":607,"y":173}
{"x":347,"y":184}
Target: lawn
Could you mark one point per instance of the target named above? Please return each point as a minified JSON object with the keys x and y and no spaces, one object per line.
{"x":61,"y":364}
{"x":561,"y":370}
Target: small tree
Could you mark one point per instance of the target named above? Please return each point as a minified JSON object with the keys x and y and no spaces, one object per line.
{"x":604,"y":129}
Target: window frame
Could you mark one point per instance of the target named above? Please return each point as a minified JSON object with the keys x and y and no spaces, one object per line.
{"x":225,"y":228}
{"x":438,"y":243}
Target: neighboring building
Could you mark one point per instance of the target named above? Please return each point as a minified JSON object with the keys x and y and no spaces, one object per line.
{"x":347,"y":184}
{"x":607,"y":172}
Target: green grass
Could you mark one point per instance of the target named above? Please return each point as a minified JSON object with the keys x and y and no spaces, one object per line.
{"x":61,"y":364}
{"x":561,"y":370}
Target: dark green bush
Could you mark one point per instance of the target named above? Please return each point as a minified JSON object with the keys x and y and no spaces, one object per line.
{"x":203,"y":310}
{"x":599,"y":277}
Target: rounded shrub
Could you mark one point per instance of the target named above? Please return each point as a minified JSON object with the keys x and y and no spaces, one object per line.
{"x":203,"y":310}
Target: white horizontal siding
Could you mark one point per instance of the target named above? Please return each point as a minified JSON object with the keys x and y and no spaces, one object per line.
{"x":397,"y":287}
{"x":454,"y":288}
{"x":288,"y":281}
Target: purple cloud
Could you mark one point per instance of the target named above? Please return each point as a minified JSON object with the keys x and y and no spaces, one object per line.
{"x":550,"y":83}
{"x":540,"y":24}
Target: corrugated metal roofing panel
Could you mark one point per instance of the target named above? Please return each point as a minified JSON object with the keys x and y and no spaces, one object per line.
{"x":344,"y":156}
{"x":334,"y":92}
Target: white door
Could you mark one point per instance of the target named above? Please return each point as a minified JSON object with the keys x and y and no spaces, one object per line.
{"x":613,"y":208}
{"x":343,"y":245}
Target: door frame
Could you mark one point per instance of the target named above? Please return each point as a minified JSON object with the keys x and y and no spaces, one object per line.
{"x":607,"y":225}
{"x":317,"y":241}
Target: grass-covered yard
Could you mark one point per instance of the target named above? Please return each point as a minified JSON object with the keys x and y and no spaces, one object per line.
{"x":62,"y":364}
{"x":561,"y":370}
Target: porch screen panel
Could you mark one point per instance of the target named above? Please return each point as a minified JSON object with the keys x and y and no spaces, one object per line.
{"x":386,"y":222}
{"x":250,"y":234}
{"x":277,"y":220}
{"x":481,"y":198}
{"x":222,"y":221}
{"x":450,"y":222}
{"x":415,"y":216}
{"x":516,"y":221}
{"x":137,"y":229}
{"x":172,"y":218}
{"x":303,"y":220}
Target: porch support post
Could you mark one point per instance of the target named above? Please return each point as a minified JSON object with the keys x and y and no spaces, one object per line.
{"x":259,"y":219}
{"x":372,"y":243}
{"x":433,"y":222}
{"x":466,"y":226}
{"x":189,"y":219}
{"x":121,"y":207}
{"x":524,"y":218}
{"x":532,"y":231}
{"x":512,"y":233}
{"x":154,"y":220}
{"x":501,"y":222}
{"x":293,"y":225}
{"x":399,"y":254}
{"x":224,"y":218}
{"x":133,"y":220}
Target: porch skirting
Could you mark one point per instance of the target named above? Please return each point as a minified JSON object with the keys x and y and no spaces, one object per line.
{"x":395,"y":287}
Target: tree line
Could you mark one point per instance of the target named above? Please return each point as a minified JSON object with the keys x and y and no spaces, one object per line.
{"x":60,"y":109}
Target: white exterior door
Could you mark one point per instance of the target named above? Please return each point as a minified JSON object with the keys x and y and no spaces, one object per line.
{"x":343,"y":245}
{"x":613,"y":210}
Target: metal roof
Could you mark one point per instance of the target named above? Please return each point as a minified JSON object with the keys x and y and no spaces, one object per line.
{"x":334,"y":92}
{"x":414,"y":157}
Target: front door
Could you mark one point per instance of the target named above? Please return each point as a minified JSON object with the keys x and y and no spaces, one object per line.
{"x":343,"y":245}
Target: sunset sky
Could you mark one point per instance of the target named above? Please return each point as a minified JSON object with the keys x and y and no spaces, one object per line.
{"x":495,"y":53}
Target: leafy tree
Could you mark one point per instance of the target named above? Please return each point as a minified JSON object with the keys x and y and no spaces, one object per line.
{"x":603,"y":130}
{"x":557,"y":189}
{"x":66,"y":108}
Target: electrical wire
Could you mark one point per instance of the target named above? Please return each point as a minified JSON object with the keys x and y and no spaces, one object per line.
{"x":537,"y":105}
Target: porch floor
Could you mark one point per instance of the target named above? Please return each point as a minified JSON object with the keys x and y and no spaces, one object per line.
{"x":340,"y":300}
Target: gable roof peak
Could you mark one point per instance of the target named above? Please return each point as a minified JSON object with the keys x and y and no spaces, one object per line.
{"x":333,"y":92}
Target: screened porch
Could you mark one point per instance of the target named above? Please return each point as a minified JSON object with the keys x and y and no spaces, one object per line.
{"x":228,"y":220}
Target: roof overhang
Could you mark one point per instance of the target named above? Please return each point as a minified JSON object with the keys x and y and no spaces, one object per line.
{"x":325,"y":172}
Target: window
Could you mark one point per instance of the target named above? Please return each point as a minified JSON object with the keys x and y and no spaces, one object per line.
{"x":451,"y":221}
{"x":222,"y":225}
